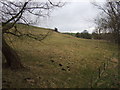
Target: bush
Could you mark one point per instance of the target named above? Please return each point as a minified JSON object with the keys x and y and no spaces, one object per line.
{"x":84,"y":34}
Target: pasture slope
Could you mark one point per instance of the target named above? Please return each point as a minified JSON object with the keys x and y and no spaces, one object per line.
{"x":61,"y":61}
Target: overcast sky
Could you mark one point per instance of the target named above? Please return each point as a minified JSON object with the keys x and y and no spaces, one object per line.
{"x":73,"y":17}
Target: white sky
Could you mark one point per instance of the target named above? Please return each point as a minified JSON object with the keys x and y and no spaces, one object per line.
{"x":73,"y":17}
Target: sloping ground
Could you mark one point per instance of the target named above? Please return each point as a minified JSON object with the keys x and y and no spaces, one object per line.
{"x":60,"y":61}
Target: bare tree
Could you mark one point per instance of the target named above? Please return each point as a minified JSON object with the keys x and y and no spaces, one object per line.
{"x":14,"y":12}
{"x":109,"y":20}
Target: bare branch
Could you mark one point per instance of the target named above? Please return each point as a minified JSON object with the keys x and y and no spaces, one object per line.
{"x":21,"y":11}
{"x":39,"y":37}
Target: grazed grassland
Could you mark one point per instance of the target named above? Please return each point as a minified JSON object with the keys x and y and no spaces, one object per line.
{"x":61,"y":61}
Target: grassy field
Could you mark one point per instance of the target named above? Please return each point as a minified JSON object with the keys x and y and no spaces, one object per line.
{"x":61,"y":61}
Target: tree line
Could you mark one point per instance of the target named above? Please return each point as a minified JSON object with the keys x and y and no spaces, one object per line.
{"x":107,"y":23}
{"x":94,"y":35}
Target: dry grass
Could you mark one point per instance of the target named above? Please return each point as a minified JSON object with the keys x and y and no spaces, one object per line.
{"x":59,"y":61}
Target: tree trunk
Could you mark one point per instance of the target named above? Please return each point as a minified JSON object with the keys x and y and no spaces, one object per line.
{"x":12,"y":58}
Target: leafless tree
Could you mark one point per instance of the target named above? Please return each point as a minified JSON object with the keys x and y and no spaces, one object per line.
{"x":109,"y":19}
{"x":14,"y":12}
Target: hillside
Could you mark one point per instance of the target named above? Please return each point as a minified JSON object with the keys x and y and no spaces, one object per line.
{"x":61,"y":61}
